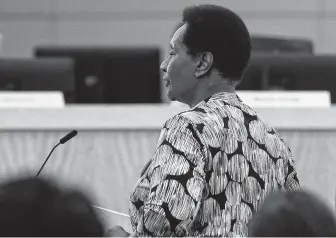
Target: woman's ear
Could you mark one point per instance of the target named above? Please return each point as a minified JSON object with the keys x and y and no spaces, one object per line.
{"x":204,"y":64}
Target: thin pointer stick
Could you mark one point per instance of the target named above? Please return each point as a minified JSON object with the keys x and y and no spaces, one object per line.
{"x":108,"y":210}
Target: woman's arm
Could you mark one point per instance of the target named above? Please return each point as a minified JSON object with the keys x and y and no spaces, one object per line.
{"x":177,"y":181}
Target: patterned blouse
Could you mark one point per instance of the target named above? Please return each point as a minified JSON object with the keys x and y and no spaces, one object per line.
{"x":213,"y":166}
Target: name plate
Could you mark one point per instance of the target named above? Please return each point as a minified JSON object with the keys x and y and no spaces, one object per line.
{"x":286,"y":99}
{"x":11,"y":99}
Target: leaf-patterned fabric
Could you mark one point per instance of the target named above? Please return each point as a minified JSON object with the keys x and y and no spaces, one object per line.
{"x":213,"y":166}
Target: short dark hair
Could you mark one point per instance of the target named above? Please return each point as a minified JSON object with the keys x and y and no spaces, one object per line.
{"x":293,"y":214}
{"x":38,"y":207}
{"x":220,"y":31}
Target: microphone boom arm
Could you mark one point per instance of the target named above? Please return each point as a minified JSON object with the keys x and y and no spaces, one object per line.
{"x":70,"y":135}
{"x":47,"y":159}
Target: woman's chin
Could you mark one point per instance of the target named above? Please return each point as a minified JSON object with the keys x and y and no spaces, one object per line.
{"x":170,"y":94}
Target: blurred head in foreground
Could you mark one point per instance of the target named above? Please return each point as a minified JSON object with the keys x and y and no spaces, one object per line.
{"x":295,"y":214}
{"x":38,"y":207}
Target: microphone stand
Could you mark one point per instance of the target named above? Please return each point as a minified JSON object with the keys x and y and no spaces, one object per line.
{"x":38,"y":173}
{"x":70,"y":135}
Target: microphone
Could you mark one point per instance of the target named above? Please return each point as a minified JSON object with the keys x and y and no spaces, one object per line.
{"x":70,"y":135}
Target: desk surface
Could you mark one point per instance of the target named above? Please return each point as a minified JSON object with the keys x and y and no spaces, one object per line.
{"x":148,"y":116}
